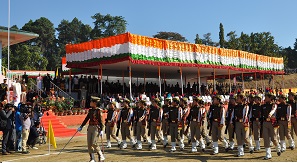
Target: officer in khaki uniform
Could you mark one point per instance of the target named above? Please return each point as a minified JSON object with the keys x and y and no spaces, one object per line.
{"x":125,"y":120}
{"x":293,"y":103}
{"x":268,"y":117}
{"x":241,"y":122}
{"x":229,"y":124}
{"x":95,"y":129}
{"x":283,"y":116}
{"x":175,"y":114}
{"x":140,"y":120}
{"x":255,"y":119}
{"x":165,"y":124}
{"x":185,"y":113}
{"x":155,"y":119}
{"x":195,"y":118}
{"x":110,"y":122}
{"x":216,"y":118}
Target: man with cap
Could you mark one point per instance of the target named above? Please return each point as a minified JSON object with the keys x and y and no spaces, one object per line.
{"x":293,"y":103}
{"x":140,"y":118}
{"x":165,"y":124}
{"x":3,"y":90}
{"x":185,"y":112}
{"x":268,"y":115}
{"x":196,"y":115}
{"x":110,"y":122}
{"x":283,"y":117}
{"x":175,"y":118}
{"x":125,"y":121}
{"x":155,"y":119}
{"x":95,"y":129}
{"x":216,"y":118}
{"x":241,"y":123}
{"x":255,"y":120}
{"x":229,"y":124}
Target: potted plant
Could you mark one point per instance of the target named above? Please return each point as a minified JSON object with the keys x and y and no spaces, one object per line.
{"x":74,"y":111}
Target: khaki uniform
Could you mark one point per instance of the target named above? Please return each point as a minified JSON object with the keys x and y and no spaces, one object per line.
{"x":268,"y":110}
{"x":125,"y":120}
{"x":230,"y":130}
{"x":165,"y":124}
{"x":283,"y":116}
{"x":293,"y":118}
{"x":110,"y":126}
{"x":255,"y":118}
{"x":175,"y":114}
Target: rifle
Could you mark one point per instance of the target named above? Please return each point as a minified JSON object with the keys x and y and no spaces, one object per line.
{"x":234,"y":126}
{"x":209,"y":126}
{"x":261,"y":128}
{"x":149,"y":128}
{"x":227,"y":126}
{"x":118,"y":128}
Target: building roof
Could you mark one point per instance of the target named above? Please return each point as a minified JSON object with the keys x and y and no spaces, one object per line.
{"x":16,"y":36}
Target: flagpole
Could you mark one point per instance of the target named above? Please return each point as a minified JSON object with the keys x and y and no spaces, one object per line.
{"x":8,"y":51}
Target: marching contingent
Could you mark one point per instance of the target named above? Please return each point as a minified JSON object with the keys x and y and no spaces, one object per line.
{"x":242,"y":120}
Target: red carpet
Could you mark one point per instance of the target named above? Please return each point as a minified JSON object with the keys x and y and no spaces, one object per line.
{"x":60,"y":129}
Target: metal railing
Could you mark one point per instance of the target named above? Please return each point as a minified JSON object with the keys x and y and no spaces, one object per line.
{"x":39,"y":90}
{"x":60,"y":92}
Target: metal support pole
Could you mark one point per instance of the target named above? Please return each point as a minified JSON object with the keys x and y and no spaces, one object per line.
{"x":130,"y":81}
{"x":230,"y":87}
{"x":160,"y":84}
{"x":242,"y":77}
{"x":199,"y":81}
{"x":101,"y":91}
{"x":214,"y":80}
{"x":181,"y":80}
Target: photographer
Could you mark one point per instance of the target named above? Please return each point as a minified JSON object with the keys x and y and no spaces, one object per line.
{"x":37,"y":112}
{"x":26,"y":124}
{"x":7,"y":114}
{"x":33,"y":135}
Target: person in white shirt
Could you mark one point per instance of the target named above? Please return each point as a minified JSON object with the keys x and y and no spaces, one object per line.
{"x":39,"y":82}
{"x":17,"y":91}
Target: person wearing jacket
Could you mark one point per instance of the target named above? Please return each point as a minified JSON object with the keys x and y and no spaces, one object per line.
{"x":7,"y":114}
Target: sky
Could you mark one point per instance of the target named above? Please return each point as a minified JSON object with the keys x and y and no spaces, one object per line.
{"x":187,"y":17}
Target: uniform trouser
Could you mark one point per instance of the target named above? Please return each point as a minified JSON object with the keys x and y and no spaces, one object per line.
{"x":134,"y":129}
{"x":140,"y":131}
{"x":256,"y":130}
{"x":92,"y":137}
{"x":231,"y":132}
{"x":195,"y":131}
{"x":241,"y":135}
{"x":23,"y":97}
{"x":125,"y":131}
{"x":181,"y":132}
{"x":165,"y":127}
{"x":216,"y":133}
{"x":110,"y":131}
{"x":25,"y":136}
{"x":173,"y":127}
{"x":293,"y":126}
{"x":284,"y":130}
{"x":204,"y":132}
{"x":269,"y":134}
{"x":153,"y":130}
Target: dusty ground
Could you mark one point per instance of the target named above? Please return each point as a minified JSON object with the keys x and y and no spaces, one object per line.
{"x":76,"y":151}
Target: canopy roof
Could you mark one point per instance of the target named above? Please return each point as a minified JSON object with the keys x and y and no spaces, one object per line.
{"x":146,"y":54}
{"x":16,"y":36}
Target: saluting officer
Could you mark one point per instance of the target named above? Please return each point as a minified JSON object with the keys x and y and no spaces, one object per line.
{"x":241,"y":122}
{"x":283,"y":116}
{"x":229,"y":125}
{"x":165,"y":124}
{"x":125,"y":120}
{"x":293,"y":104}
{"x":268,"y":116}
{"x":255,"y":119}
{"x":140,"y":120}
{"x":155,"y":118}
{"x":216,"y":118}
{"x":95,"y":129}
{"x":111,"y":120}
{"x":175,"y":115}
{"x":196,"y":115}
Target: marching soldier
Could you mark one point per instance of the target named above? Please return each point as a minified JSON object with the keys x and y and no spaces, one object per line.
{"x":185,"y":113}
{"x":196,"y":115}
{"x":293,"y":104}
{"x":111,"y":120}
{"x":283,"y":117}
{"x":241,"y":122}
{"x":255,"y":119}
{"x":165,"y":124}
{"x":229,"y":125}
{"x":95,"y":129}
{"x":216,"y":118}
{"x":268,"y":118}
{"x":124,"y":121}
{"x":140,"y":120}
{"x":175,"y":115}
{"x":155,"y":119}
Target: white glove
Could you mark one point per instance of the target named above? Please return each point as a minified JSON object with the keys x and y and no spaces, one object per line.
{"x":101,"y":133}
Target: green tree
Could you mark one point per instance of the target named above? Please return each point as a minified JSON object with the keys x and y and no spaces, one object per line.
{"x":244,"y":42}
{"x":198,"y":40}
{"x":233,"y":41}
{"x":107,"y":25}
{"x":208,"y":41}
{"x":222,"y":36}
{"x":174,"y":36}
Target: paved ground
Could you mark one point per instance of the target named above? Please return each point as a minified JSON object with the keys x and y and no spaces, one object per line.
{"x":76,"y":151}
